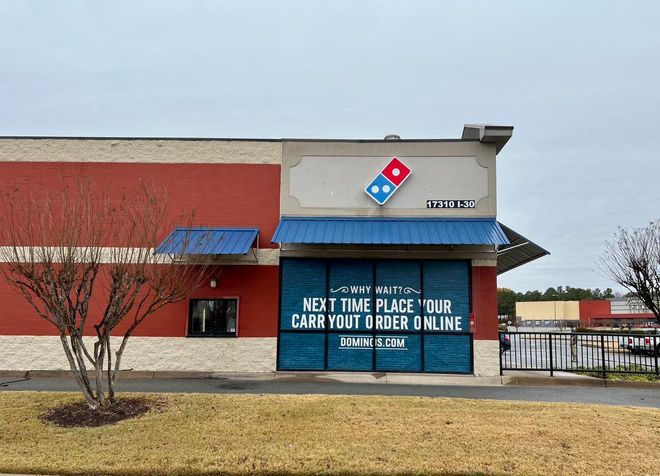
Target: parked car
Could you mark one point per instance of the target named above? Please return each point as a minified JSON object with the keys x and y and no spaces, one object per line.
{"x":648,"y":343}
{"x":505,"y":343}
{"x":626,"y":342}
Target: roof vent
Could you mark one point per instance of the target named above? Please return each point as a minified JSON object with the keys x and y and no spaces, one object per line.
{"x":392,"y":137}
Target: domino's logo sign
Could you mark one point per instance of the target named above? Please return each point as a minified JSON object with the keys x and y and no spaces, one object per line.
{"x":388,"y":181}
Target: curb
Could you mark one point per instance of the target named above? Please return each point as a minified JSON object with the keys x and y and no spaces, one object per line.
{"x":631,"y":384}
{"x":590,"y":382}
{"x":132,"y":374}
{"x":555,"y":382}
{"x":391,"y":379}
{"x":352,"y":377}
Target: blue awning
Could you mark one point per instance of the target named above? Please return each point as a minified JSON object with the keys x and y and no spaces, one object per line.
{"x":390,"y":231}
{"x":208,"y":241}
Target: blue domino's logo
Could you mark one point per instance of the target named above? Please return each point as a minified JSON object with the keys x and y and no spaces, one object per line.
{"x":388,"y":181}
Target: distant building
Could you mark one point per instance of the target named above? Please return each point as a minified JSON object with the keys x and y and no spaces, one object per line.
{"x":621,"y":312}
{"x":618,"y":312}
{"x":548,"y":313}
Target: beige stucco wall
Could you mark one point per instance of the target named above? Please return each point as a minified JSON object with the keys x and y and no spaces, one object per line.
{"x":150,"y":353}
{"x":328,"y":178}
{"x":549,"y":310}
{"x":142,"y":151}
{"x":486,"y":261}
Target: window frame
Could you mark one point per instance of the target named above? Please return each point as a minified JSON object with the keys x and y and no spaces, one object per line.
{"x":191,"y":302}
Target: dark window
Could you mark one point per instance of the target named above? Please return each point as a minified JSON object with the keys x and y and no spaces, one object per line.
{"x":213,"y":317}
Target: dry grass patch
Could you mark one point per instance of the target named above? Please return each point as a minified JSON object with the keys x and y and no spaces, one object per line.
{"x":247,"y":434}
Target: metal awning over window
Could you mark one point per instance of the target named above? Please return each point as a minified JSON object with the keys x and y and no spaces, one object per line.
{"x":209,"y":241}
{"x":390,"y":231}
{"x":519,"y":251}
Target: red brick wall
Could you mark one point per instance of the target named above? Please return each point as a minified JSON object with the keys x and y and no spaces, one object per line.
{"x":256,"y":287}
{"x":229,"y":195}
{"x":484,"y":301}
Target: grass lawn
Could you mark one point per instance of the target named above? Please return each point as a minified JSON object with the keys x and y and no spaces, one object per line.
{"x":613,"y":375}
{"x":247,"y":434}
{"x":624,"y":376}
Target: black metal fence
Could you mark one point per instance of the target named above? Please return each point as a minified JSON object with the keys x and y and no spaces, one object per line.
{"x":580,"y":352}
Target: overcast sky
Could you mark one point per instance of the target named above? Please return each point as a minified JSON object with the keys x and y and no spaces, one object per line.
{"x":580,"y":82}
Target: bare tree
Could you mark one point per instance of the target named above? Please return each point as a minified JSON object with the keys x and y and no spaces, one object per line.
{"x":60,"y":250}
{"x":632,"y":259}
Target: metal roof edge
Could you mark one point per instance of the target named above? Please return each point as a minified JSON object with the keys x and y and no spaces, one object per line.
{"x":390,"y":218}
{"x":215,"y":228}
{"x":296,"y":230}
{"x":147,"y":138}
{"x":225,"y":139}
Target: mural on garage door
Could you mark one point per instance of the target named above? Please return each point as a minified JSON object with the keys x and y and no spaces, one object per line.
{"x":383,"y":315}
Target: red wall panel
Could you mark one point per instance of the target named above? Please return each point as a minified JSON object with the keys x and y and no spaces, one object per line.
{"x":256,"y":287}
{"x":222,"y":195}
{"x":591,"y":308}
{"x":484,"y":301}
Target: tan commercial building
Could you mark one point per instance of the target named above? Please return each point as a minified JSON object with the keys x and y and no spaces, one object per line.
{"x":548,"y":313}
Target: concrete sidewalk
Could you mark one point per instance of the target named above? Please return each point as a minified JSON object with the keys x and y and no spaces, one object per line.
{"x":522,"y":378}
{"x":344,"y":377}
{"x":306,"y":384}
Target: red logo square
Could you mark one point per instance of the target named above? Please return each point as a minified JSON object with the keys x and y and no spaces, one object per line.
{"x":396,"y":171}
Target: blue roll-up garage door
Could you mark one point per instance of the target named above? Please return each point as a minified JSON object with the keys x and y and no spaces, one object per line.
{"x":375,"y":315}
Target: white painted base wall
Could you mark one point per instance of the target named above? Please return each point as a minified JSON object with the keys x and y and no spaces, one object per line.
{"x":486,"y":358}
{"x":198,"y":354}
